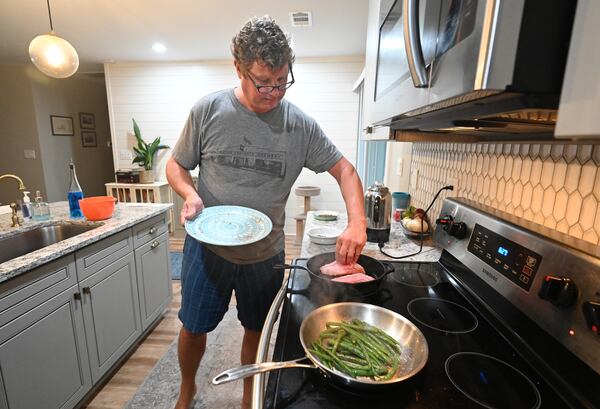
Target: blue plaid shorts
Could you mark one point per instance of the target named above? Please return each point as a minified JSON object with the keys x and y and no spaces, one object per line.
{"x":207,"y":282}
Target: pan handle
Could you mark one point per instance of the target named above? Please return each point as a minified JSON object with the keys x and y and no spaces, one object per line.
{"x":387,"y":268}
{"x":289,"y":266}
{"x":245,"y":371}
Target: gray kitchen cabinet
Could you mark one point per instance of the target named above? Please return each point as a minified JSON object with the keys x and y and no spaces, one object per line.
{"x":65,"y":324}
{"x":111,"y":313}
{"x":154,"y":279}
{"x":43,"y":355}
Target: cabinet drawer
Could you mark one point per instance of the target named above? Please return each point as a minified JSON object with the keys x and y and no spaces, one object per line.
{"x":149,"y":230}
{"x":24,"y":292}
{"x":99,"y":255}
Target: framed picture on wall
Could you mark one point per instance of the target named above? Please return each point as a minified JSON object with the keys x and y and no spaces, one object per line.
{"x":61,"y":125}
{"x":88,"y":139}
{"x":87,"y":121}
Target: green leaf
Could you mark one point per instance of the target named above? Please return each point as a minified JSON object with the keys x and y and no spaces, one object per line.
{"x":145,"y":152}
{"x":138,"y":135}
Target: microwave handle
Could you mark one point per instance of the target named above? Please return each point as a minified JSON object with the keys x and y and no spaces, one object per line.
{"x":412,"y":43}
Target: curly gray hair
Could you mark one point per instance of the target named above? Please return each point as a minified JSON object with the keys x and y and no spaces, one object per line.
{"x":261,"y":39}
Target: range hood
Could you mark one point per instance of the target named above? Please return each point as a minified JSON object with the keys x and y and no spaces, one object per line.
{"x":472,"y":70}
{"x":496,"y":116}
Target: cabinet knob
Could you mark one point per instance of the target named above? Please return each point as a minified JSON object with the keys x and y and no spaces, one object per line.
{"x":152,"y":230}
{"x":87,"y":290}
{"x":77,"y":296}
{"x":154,"y":244}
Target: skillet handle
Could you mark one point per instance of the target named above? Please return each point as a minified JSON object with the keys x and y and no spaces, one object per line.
{"x":245,"y":371}
{"x":387,"y":268}
{"x":289,"y":266}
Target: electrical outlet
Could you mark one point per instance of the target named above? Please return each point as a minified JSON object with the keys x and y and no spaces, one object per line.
{"x":414,"y":182}
{"x":454,"y":182}
{"x":400,"y":167}
{"x":29,"y":153}
{"x":125,"y":154}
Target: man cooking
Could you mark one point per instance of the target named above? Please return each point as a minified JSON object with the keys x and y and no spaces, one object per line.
{"x":250,"y":145}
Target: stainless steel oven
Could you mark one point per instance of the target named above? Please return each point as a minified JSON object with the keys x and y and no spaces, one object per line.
{"x":511,"y":314}
{"x":480,"y":67}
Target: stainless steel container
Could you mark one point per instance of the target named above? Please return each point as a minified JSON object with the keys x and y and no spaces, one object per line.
{"x":378,"y":208}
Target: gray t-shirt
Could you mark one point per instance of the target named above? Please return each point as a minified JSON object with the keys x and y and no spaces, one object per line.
{"x":252,"y":160}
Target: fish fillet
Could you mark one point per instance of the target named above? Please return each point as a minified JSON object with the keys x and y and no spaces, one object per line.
{"x":353,"y":278}
{"x":335,"y":269}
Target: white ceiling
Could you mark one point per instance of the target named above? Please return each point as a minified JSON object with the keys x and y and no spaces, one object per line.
{"x":124,"y":30}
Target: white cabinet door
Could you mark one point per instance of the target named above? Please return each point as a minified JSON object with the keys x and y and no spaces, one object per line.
{"x":580,"y":97}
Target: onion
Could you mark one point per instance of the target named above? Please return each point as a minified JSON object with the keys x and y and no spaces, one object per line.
{"x":415,"y":225}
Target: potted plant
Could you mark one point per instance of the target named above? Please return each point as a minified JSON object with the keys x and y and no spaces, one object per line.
{"x":145,"y":153}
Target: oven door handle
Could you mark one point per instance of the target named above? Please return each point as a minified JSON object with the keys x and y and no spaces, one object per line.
{"x":412,"y":43}
{"x":258,"y":386}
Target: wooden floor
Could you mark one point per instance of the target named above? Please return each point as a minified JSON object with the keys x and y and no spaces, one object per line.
{"x":129,"y":376}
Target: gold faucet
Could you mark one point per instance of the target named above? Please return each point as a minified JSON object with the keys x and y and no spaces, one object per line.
{"x":13,"y":206}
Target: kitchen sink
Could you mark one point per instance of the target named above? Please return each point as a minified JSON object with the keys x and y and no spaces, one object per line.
{"x":35,"y":239}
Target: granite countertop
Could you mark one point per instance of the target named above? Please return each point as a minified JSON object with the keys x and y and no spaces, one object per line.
{"x":125,"y":216}
{"x":399,"y":244}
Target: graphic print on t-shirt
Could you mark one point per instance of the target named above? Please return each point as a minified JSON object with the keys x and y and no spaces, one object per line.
{"x":260,"y":160}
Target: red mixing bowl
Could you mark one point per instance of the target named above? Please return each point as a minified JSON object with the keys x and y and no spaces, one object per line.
{"x":97,"y":207}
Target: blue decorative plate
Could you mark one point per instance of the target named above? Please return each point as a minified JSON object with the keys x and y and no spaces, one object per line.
{"x":229,"y":226}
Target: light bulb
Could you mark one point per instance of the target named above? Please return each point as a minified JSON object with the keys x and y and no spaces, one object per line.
{"x":53,"y":56}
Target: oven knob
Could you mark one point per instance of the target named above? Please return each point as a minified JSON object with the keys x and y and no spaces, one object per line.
{"x":458,"y":230}
{"x":560,"y":291}
{"x":453,"y":228}
{"x":591,"y":312}
{"x":444,"y":221}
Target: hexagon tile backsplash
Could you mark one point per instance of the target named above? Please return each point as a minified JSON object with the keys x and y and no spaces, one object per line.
{"x":555,"y":185}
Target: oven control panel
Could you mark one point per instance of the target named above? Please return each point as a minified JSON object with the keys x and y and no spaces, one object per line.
{"x":550,"y":277}
{"x":510,"y":259}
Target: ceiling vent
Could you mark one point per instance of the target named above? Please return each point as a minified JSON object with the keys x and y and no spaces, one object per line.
{"x":301,"y":18}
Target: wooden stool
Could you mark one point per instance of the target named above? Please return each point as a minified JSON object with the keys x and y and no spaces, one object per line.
{"x":307,"y":192}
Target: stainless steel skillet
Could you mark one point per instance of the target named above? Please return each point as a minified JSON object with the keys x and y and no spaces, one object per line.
{"x":414,"y":349}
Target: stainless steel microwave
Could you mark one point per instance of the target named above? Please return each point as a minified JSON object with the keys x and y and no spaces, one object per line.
{"x":492,"y":69}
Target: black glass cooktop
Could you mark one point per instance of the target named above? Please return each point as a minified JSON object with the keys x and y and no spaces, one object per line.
{"x":470,"y":364}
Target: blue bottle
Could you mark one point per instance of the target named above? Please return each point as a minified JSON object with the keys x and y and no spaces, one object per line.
{"x":75,"y":194}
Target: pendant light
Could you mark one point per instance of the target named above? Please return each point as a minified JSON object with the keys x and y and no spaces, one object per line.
{"x":52,"y":55}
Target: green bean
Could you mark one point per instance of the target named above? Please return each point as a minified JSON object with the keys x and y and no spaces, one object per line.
{"x":357,"y":349}
{"x":366,"y":341}
{"x":341,"y":335}
{"x":390,"y":351}
{"x":352,"y":358}
{"x":341,"y":366}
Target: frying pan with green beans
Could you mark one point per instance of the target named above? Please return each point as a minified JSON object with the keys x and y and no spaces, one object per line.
{"x":357,"y":345}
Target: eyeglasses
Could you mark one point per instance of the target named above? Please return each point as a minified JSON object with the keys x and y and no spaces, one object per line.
{"x":267,"y":89}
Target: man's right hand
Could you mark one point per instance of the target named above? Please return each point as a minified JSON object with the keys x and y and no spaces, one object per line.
{"x":191,"y":208}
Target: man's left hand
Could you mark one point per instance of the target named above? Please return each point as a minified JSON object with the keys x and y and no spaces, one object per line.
{"x":350,"y":243}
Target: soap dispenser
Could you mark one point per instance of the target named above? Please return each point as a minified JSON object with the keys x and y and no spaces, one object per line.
{"x":40,"y":210}
{"x":26,"y":209}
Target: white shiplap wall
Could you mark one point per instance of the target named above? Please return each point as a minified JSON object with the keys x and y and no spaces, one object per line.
{"x":159,"y":97}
